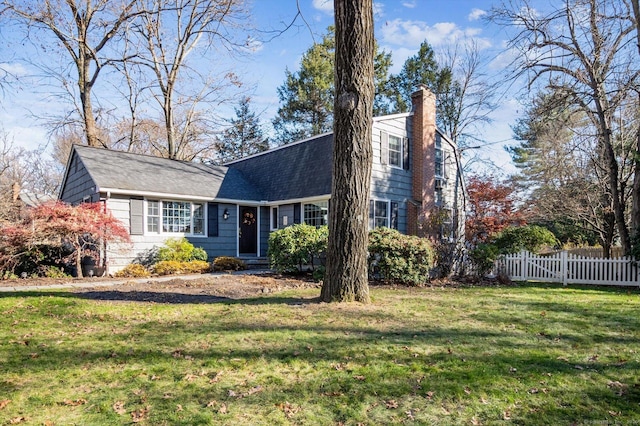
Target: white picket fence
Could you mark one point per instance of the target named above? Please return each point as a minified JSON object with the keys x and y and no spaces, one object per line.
{"x":567,"y":268}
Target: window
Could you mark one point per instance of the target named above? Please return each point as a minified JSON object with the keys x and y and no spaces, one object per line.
{"x":274,"y":217}
{"x":438,"y":193}
{"x":316,"y":213}
{"x":153,"y":216}
{"x":383,"y":213}
{"x":439,"y":163}
{"x":395,"y":151}
{"x":175,"y":217}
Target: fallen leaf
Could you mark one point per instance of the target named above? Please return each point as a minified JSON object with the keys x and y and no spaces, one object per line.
{"x":232,"y":393}
{"x":512,"y":370}
{"x":223,"y":409}
{"x":430,"y":394}
{"x":467,"y":390}
{"x":179,"y":407}
{"x":253,"y":390}
{"x":49,"y":423}
{"x":190,"y":377}
{"x":139,"y":415}
{"x":212,"y":403}
{"x":392,"y":403}
{"x":475,"y":421}
{"x":16,"y":420}
{"x":4,"y":403}
{"x":614,"y":413}
{"x":484,"y":401}
{"x":361,"y":378}
{"x":445,"y":411}
{"x":506,"y":415}
{"x":578,"y":367}
{"x":73,"y":403}
{"x":288,"y":409}
{"x":118,"y":407}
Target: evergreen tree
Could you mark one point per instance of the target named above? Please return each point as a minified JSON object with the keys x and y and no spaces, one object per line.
{"x":306,"y":97}
{"x":244,"y":137}
{"x":422,"y":68}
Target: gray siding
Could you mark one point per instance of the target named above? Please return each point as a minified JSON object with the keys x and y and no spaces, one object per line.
{"x":264,"y":230}
{"x":387,"y":182}
{"x":225,"y":244}
{"x":79,"y":184}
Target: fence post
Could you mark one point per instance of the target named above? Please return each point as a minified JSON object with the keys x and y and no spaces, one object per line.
{"x":523,"y":265}
{"x":564,"y":267}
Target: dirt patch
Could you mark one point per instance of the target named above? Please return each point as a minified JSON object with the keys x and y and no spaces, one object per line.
{"x":204,"y":289}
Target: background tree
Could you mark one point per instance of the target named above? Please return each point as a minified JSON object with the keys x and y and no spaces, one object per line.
{"x":491,"y":208}
{"x":244,"y":137}
{"x":422,"y":68}
{"x":346,"y":277}
{"x":85,"y":29}
{"x":307,"y":96}
{"x":170,"y":32}
{"x":584,"y":50}
{"x":562,"y":171}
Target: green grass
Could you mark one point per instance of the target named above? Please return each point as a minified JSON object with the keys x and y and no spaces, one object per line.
{"x":490,"y":355}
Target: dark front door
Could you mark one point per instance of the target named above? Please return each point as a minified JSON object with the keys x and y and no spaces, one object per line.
{"x":248,"y":237}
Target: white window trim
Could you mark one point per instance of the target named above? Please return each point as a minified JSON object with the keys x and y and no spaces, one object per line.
{"x":175,"y":234}
{"x":388,"y":209}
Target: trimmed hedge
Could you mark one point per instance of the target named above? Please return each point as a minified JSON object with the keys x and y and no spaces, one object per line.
{"x":171,"y":267}
{"x":399,"y":258}
{"x":133,"y":270}
{"x":227,"y":263}
{"x":180,"y":250}
{"x":296,"y":246}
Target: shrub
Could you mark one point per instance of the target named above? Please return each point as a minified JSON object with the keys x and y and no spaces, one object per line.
{"x":167,"y":267}
{"x":293,"y":247}
{"x":226,"y":263}
{"x":483,"y":257}
{"x":400,"y":258}
{"x":53,"y":272}
{"x":171,"y":267}
{"x":133,"y":270}
{"x":531,"y":238}
{"x":180,"y":250}
{"x":196,"y":267}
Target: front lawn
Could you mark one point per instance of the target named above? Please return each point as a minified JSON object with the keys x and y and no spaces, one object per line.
{"x":473,"y":355}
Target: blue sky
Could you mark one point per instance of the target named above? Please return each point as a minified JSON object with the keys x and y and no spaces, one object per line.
{"x":400,"y":28}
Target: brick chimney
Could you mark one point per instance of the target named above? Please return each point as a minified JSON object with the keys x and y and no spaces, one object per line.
{"x":423,"y":159}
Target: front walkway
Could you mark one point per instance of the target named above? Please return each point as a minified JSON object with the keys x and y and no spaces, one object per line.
{"x":14,"y":285}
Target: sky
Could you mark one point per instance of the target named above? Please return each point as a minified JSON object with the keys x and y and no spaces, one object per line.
{"x":400,"y":27}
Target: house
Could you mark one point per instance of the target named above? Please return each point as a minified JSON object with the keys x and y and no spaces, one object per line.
{"x":230,"y":210}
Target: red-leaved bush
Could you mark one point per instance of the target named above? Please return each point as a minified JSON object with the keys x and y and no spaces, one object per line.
{"x":56,"y":224}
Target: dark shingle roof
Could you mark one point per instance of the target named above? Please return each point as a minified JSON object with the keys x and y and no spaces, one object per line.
{"x":136,"y":172}
{"x":298,"y":170}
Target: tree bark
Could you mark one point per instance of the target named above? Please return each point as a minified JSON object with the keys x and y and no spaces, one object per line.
{"x":346,"y":276}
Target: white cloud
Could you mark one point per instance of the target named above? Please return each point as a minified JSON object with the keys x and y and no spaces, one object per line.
{"x":409,"y":4}
{"x":378,"y":10}
{"x":410,"y":34}
{"x":13,"y":68}
{"x":476,"y":14}
{"x":325,"y":6}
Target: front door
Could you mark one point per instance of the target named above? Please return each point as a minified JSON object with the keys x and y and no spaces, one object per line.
{"x":248,"y":231}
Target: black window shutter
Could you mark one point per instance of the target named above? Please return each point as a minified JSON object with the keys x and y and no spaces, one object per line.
{"x":296,"y":213}
{"x":136,"y":216}
{"x":394,"y":215}
{"x":405,"y":153}
{"x":384,"y":148}
{"x":212,"y":219}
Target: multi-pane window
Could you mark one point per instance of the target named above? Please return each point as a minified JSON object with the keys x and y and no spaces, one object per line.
{"x":380,"y":214}
{"x":153,"y":216}
{"x":439,"y":162}
{"x":175,"y":217}
{"x":395,"y":151}
{"x":383,"y":213}
{"x":316,"y":213}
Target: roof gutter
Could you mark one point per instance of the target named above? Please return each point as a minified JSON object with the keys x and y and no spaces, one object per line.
{"x":164,"y":195}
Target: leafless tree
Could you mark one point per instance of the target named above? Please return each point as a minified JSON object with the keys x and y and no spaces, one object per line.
{"x":586,"y":50}
{"x":169,"y":33}
{"x":346,"y":276}
{"x":84,"y":29}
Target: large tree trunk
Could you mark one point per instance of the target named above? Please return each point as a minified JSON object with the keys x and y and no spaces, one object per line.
{"x":346,"y":276}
